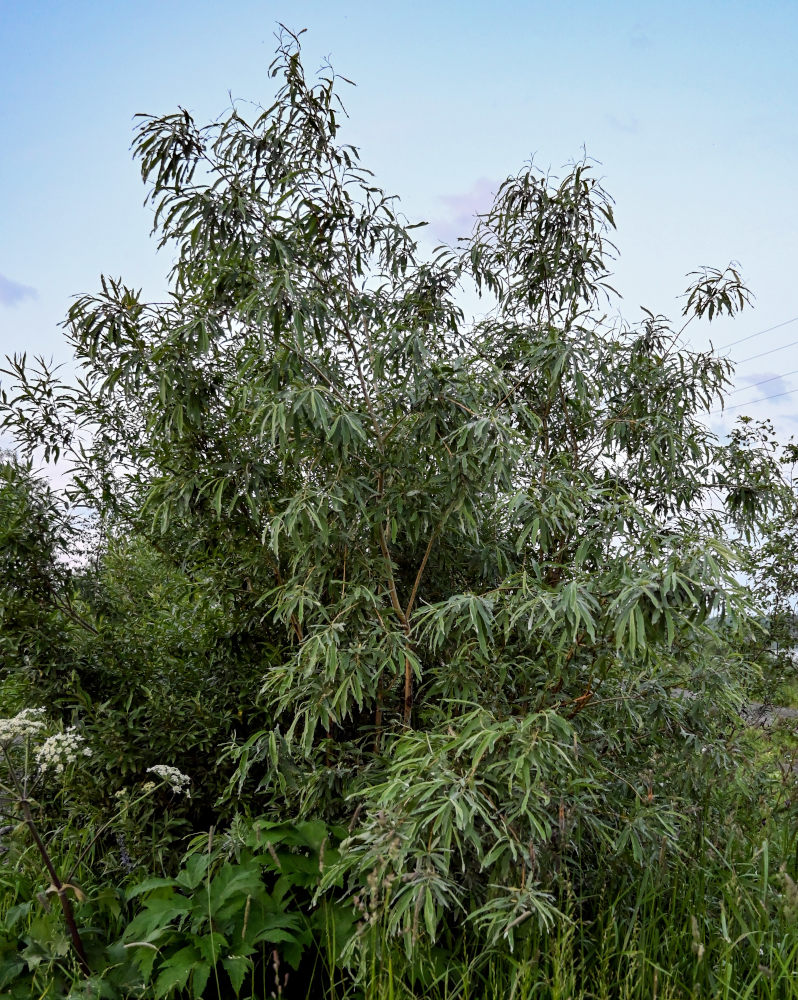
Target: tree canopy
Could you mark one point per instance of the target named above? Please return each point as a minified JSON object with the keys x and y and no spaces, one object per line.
{"x":438,"y":578}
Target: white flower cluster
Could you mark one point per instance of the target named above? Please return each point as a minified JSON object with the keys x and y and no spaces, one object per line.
{"x":178,"y":781}
{"x":61,"y":750}
{"x":28,"y":722}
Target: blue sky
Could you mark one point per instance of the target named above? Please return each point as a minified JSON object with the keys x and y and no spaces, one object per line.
{"x":689,"y":107}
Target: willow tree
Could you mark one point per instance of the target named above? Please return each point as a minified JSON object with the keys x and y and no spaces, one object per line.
{"x":487,"y":550}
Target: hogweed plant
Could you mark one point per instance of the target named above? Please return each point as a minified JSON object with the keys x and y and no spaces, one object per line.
{"x":34,"y":756}
{"x":26,"y":768}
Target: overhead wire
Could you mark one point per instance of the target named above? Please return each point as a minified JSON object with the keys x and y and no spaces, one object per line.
{"x":759,"y":333}
{"x":754,"y":357}
{"x":765,"y":353}
{"x":754,"y":402}
{"x":764,"y":381}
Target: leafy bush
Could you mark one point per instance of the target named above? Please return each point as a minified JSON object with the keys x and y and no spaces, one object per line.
{"x":470,"y":589}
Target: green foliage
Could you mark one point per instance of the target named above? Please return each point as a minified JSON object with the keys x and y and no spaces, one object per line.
{"x":756,"y":465}
{"x":108,"y":631}
{"x":218,"y":918}
{"x":469,"y":588}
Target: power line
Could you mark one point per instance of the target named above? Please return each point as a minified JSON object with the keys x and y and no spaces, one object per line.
{"x":765,"y":353}
{"x":759,"y":333}
{"x":753,"y":402}
{"x":764,"y":381}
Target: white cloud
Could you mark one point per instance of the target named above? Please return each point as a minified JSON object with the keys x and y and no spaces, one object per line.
{"x":773,"y":384}
{"x":462,"y":210}
{"x":628,"y":124}
{"x":12,"y":292}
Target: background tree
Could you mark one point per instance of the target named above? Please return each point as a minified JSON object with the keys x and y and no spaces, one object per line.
{"x":755,"y":463}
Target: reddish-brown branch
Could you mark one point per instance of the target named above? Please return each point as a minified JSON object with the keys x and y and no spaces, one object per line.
{"x":422,"y":567}
{"x":395,"y":603}
{"x":378,"y":717}
{"x":579,"y":703}
{"x":408,"y":707}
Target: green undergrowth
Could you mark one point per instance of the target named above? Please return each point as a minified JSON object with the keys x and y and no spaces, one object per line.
{"x":242,"y":917}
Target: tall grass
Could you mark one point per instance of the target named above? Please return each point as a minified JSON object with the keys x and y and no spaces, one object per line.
{"x":719,"y":926}
{"x":716,"y":925}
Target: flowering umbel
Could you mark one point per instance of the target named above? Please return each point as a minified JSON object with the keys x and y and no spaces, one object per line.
{"x":29,"y":722}
{"x":60,"y":750}
{"x":177,"y":781}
